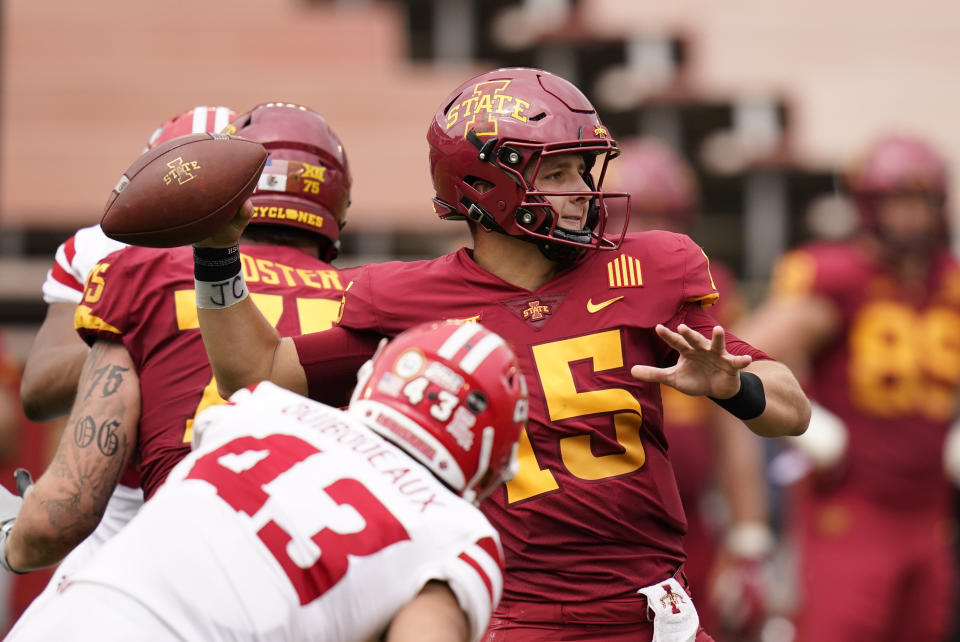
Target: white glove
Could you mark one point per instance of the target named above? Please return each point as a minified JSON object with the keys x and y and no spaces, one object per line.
{"x":951,"y":453}
{"x":825,"y":440}
{"x":820,"y":447}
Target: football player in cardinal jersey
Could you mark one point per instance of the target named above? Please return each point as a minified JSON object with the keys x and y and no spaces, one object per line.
{"x":147,"y":374}
{"x":292,"y":520}
{"x":592,"y":524}
{"x":725,"y":562}
{"x":50,"y":376}
{"x":875,"y":320}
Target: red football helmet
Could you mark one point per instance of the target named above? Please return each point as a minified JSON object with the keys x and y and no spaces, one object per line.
{"x":306,"y":181}
{"x":452,"y":396}
{"x":497,"y":128}
{"x":193,"y":121}
{"x":899,"y":166}
{"x":662,"y":186}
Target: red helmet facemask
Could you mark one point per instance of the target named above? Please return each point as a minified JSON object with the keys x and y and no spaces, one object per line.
{"x":450,"y":394}
{"x":193,"y":121}
{"x":306,"y":181}
{"x":495,"y":130}
{"x":901,"y":166}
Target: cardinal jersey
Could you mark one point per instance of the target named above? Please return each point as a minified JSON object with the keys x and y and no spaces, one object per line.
{"x":593,"y":512}
{"x":290,"y":521}
{"x":145,"y":299}
{"x":892,"y":373}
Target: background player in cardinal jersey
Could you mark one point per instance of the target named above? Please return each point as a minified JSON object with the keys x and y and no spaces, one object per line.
{"x":297,"y":521}
{"x":147,"y":374}
{"x":724,"y":560}
{"x":53,"y":366}
{"x":874,"y":322}
{"x":593,"y":515}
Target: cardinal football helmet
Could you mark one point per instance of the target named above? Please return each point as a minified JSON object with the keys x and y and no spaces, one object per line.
{"x":662,"y":186}
{"x":193,"y":121}
{"x":306,"y":181}
{"x":452,"y":396}
{"x":899,"y":166}
{"x":495,"y":130}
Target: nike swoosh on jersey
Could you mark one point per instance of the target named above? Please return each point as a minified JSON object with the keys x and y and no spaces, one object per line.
{"x":596,"y":307}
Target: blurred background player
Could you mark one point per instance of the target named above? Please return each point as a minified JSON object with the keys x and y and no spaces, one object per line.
{"x":593,"y":518}
{"x":726,"y":544}
{"x":297,"y":521}
{"x":53,"y":366}
{"x":873,"y":324}
{"x":147,"y":375}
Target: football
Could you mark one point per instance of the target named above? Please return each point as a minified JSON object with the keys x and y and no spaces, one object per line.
{"x":183,"y":190}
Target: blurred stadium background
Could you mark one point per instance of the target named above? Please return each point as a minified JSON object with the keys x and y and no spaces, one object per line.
{"x":768,"y":99}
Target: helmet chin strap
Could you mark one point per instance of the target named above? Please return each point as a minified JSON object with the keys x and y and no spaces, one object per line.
{"x":561,"y":252}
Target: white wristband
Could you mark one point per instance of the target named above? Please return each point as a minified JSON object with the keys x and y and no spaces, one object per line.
{"x":751,"y":540}
{"x":217,"y":295}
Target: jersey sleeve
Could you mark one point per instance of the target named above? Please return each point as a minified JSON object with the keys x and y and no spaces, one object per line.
{"x":72,"y":263}
{"x":698,"y":283}
{"x":476,"y":578}
{"x":816,"y":270}
{"x":330,"y":360}
{"x":695,"y":317}
{"x":110,"y":300}
{"x":358,"y":309}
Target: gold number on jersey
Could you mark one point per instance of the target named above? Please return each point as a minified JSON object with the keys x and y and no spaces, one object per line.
{"x":905,"y":362}
{"x":95,"y":283}
{"x":564,"y":401}
{"x":313,"y":315}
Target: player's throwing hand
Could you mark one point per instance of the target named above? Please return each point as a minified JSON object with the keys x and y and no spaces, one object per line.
{"x":704,"y":366}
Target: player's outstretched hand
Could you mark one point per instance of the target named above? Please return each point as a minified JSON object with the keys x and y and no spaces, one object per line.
{"x":229,"y":234}
{"x":704,"y":366}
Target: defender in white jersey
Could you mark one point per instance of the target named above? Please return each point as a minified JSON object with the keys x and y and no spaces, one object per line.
{"x":53,"y":367}
{"x":292,"y":520}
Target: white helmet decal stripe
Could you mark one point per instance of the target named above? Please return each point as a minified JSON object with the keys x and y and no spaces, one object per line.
{"x":221,"y":118}
{"x":199,"y":119}
{"x":456,"y":341}
{"x":481,"y":351}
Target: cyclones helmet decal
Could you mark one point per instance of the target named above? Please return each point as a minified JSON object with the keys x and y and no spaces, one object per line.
{"x":450,"y":394}
{"x":193,"y":121}
{"x":306,"y":181}
{"x":495,"y":129}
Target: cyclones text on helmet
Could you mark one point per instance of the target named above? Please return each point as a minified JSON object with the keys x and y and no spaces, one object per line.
{"x":450,"y":394}
{"x":193,"y":121}
{"x":495,"y":129}
{"x":306,"y":181}
{"x":899,"y":166}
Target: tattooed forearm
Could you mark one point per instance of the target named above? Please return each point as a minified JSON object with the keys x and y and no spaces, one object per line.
{"x":93,"y":373}
{"x":84,"y":486}
{"x":69,"y":499}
